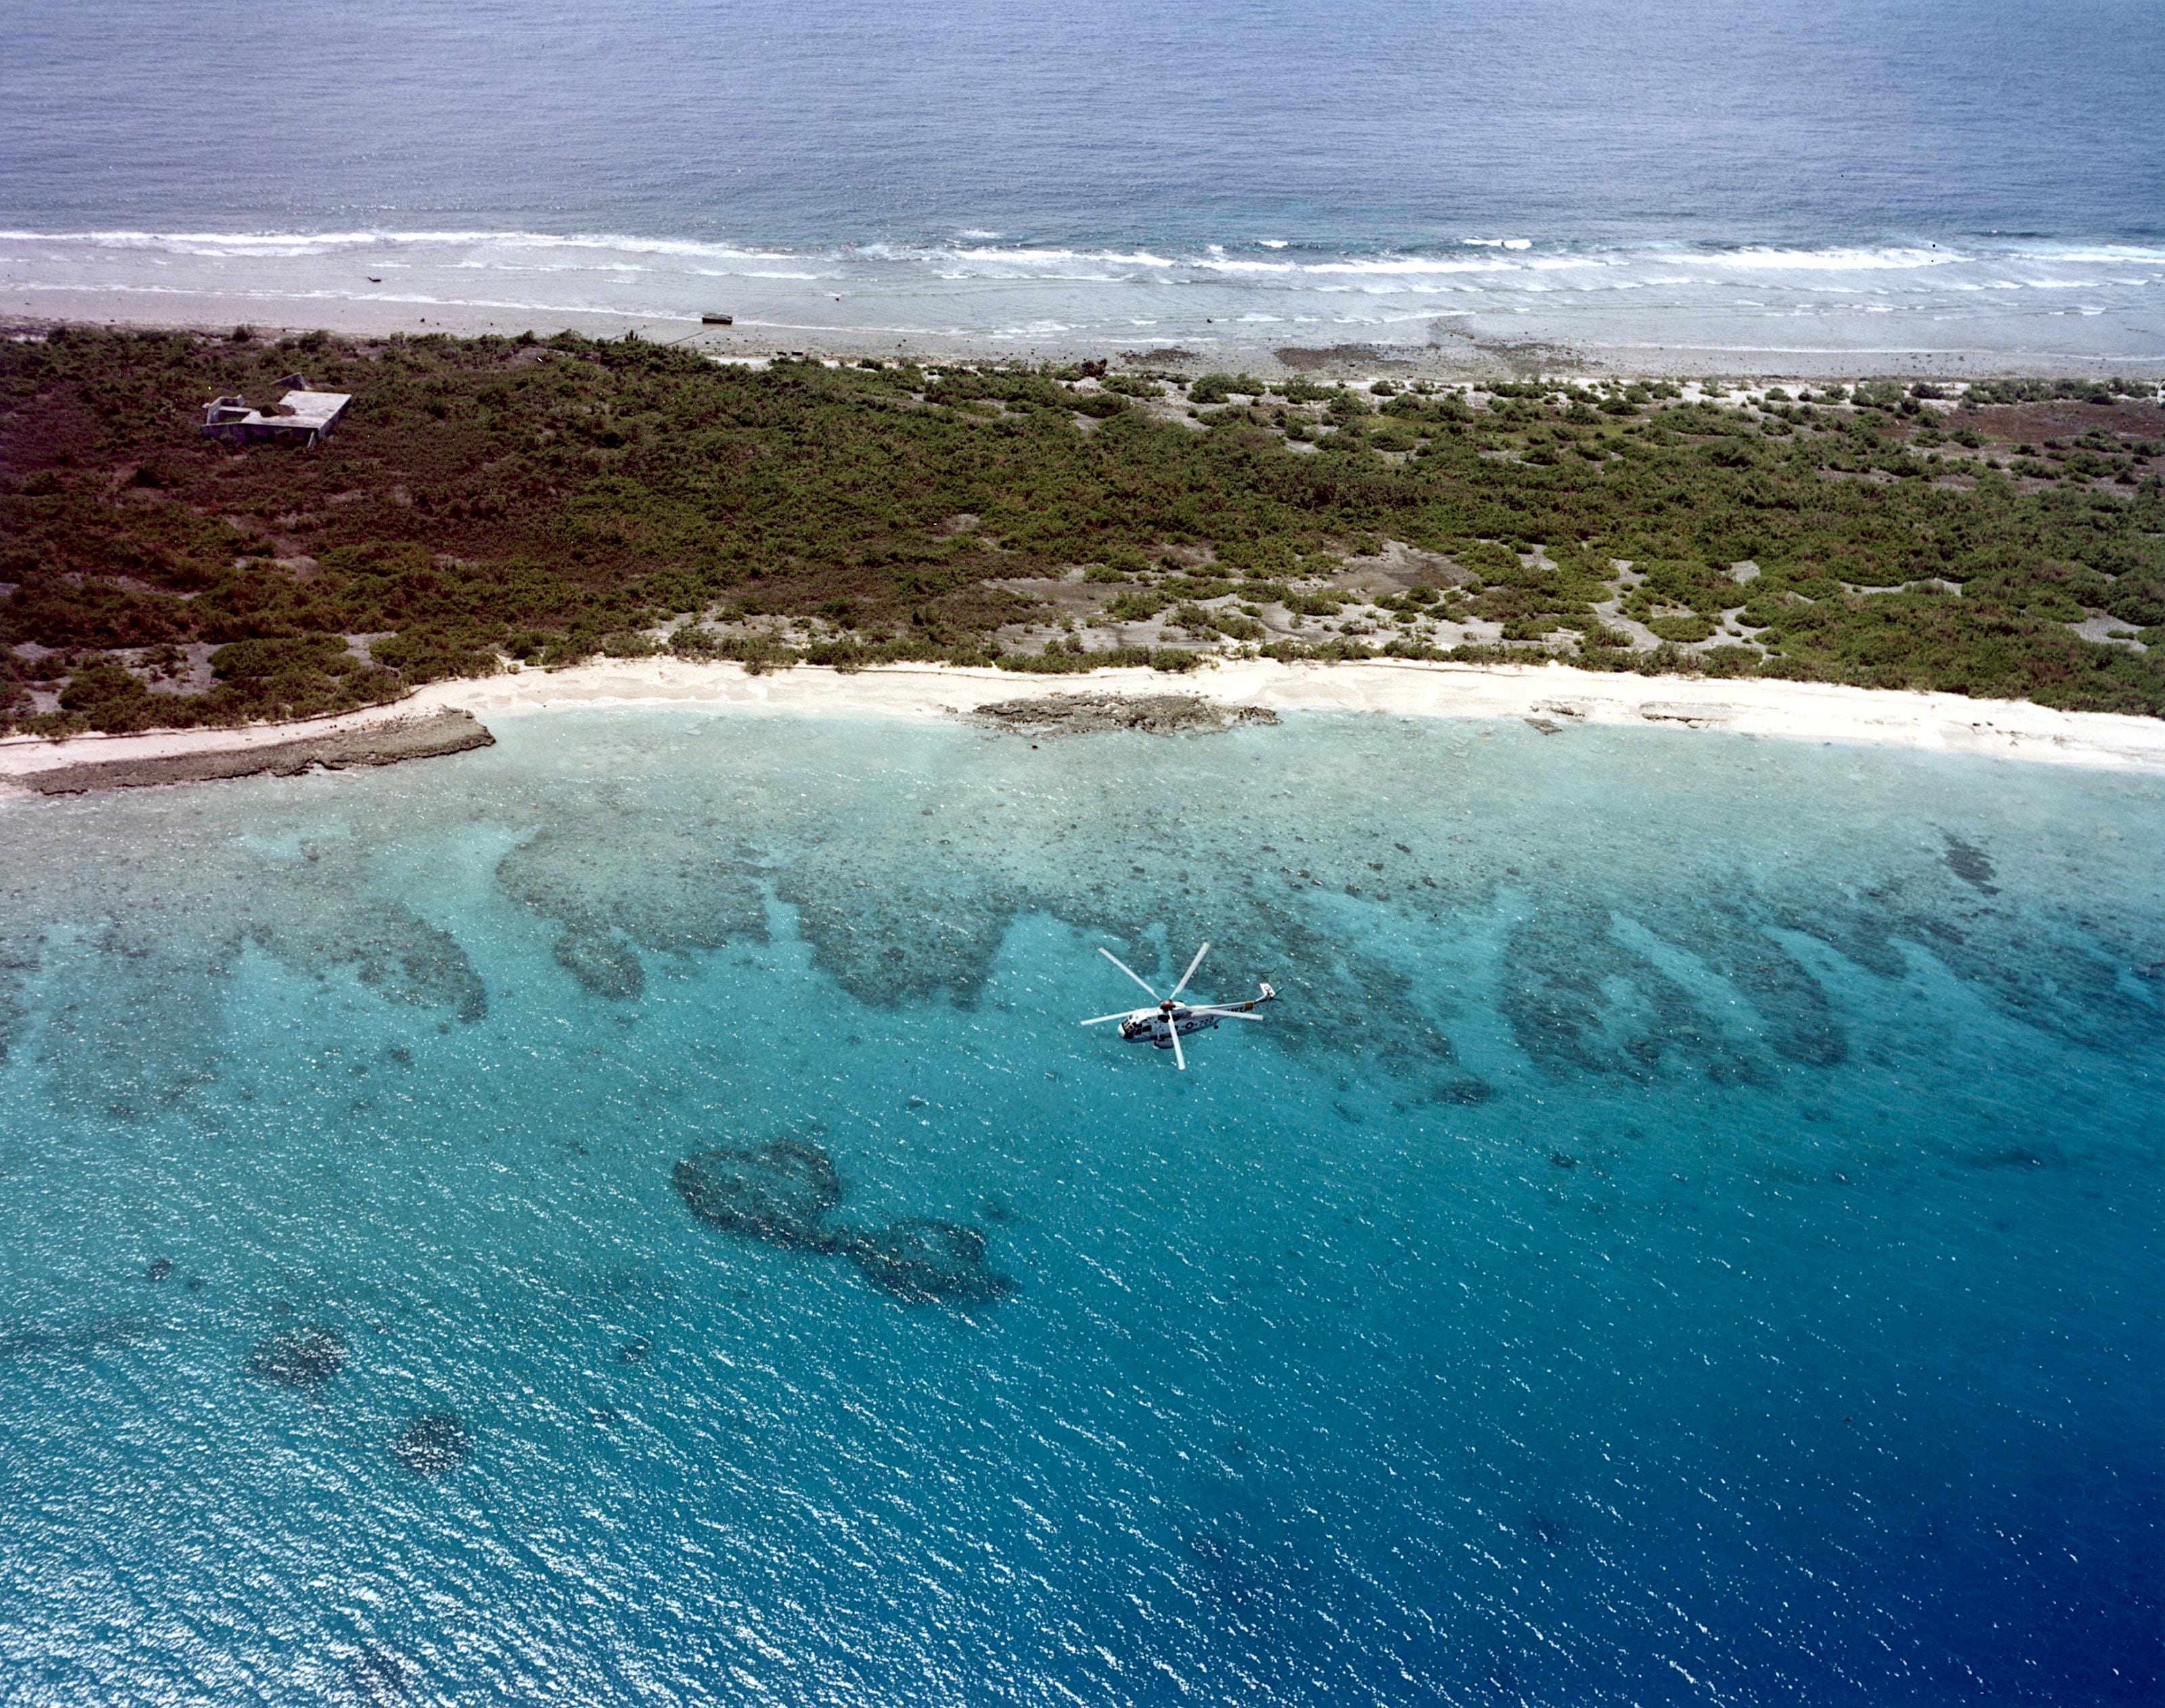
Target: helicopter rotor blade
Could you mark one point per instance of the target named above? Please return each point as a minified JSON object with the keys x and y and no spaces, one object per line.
{"x":1123,"y":1014}
{"x":1190,"y":973}
{"x":1172,"y":1027}
{"x":1225,"y":1014}
{"x":1126,"y":968}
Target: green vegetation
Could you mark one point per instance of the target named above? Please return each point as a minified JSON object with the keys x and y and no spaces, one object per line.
{"x":497,"y":499}
{"x":1218,"y":388}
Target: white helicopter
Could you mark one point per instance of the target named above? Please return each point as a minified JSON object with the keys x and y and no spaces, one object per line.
{"x":1164,"y":1026}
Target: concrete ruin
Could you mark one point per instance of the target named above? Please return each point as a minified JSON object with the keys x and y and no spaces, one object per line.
{"x":305,"y":416}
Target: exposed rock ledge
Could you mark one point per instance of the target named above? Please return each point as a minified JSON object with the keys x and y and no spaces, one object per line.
{"x":1078,"y":714}
{"x":376,"y":744}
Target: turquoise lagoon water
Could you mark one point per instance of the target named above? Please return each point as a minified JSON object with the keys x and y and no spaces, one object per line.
{"x":1689,"y":1234}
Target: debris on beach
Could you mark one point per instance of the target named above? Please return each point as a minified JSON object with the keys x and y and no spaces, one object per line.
{"x":299,"y":1357}
{"x":1085,"y":714}
{"x":433,"y":1444}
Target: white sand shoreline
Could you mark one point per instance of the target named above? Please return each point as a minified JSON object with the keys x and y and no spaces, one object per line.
{"x":1556,"y":694}
{"x":1342,"y":352}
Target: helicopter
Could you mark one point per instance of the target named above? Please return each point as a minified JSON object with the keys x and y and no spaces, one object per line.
{"x":1164,"y":1026}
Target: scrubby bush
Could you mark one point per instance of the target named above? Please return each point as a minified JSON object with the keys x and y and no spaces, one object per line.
{"x":1220,"y":388}
{"x":547,"y":500}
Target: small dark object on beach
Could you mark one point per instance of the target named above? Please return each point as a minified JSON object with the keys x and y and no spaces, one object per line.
{"x":718,"y":320}
{"x":160,"y":1269}
{"x":920,"y":1259}
{"x":299,"y":1357}
{"x":1562,"y":1161}
{"x":633,"y":1352}
{"x":777,"y":1193}
{"x":433,"y":1444}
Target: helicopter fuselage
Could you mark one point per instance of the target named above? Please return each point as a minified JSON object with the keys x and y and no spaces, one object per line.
{"x":1157,"y":1026}
{"x":1154,"y":1026}
{"x":1164,"y":1025}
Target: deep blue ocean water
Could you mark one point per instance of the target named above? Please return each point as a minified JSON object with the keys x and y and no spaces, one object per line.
{"x":1851,"y":177}
{"x":1689,"y":1234}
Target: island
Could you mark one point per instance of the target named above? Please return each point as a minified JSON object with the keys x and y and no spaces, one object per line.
{"x":494,"y":502}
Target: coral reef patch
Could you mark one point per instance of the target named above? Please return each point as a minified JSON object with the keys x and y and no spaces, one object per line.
{"x":780,"y":1194}
{"x":689,"y":896}
{"x":376,"y":1676}
{"x":1970,"y":864}
{"x":299,"y":1357}
{"x":432,"y":1445}
{"x":921,"y":1259}
{"x":79,"y":1341}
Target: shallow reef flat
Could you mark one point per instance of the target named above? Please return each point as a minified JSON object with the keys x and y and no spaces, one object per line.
{"x":635,"y":1199}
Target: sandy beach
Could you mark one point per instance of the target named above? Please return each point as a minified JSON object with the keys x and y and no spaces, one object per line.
{"x":1444,"y":350}
{"x":1553,"y":697}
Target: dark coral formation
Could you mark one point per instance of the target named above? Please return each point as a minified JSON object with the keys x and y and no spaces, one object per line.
{"x":922,"y":1261}
{"x":688,"y":895}
{"x":78,"y":1342}
{"x":299,"y":1357}
{"x":887,"y":955}
{"x":433,"y":1444}
{"x":1970,"y":864}
{"x":375,"y":1676}
{"x":781,"y":1193}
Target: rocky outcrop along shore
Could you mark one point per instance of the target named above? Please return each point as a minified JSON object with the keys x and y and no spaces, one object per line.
{"x":1083,"y":714}
{"x":376,"y":744}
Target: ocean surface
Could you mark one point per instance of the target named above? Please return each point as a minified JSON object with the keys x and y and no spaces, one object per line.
{"x":1856,"y":180}
{"x":1689,"y":1234}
